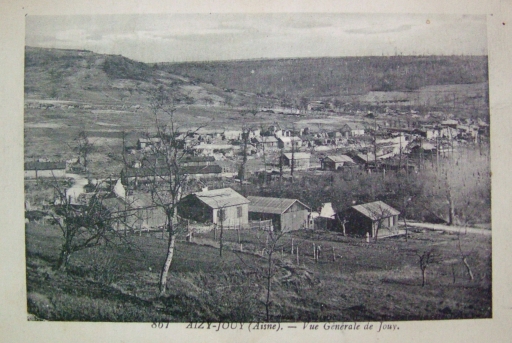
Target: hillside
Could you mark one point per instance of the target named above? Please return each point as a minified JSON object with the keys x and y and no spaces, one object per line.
{"x":85,"y":76}
{"x":329,"y":77}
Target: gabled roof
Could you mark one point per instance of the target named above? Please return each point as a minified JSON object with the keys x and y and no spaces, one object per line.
{"x":220,"y":198}
{"x":327,"y":211}
{"x":271,"y":205}
{"x":376,"y":210}
{"x":339,"y":159}
{"x":45,"y":165}
{"x":298,"y":155}
{"x":355,"y":126}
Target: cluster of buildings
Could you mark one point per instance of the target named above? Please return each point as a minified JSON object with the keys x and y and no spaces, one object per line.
{"x":212,"y":153}
{"x":229,"y":209}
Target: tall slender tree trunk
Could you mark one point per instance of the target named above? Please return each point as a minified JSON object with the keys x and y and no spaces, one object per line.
{"x":167,"y":264}
{"x":63,"y":261}
{"x":269,"y":285}
{"x":424,"y":277}
{"x":221,"y":242}
{"x":451,"y":210}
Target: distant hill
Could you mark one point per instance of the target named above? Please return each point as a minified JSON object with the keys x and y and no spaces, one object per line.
{"x":331,"y":77}
{"x":83,"y":75}
{"x":453,"y":83}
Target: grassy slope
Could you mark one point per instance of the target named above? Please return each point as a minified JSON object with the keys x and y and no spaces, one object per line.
{"x":376,"y":282}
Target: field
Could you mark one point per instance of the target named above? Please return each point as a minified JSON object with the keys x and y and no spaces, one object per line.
{"x":368,"y":281}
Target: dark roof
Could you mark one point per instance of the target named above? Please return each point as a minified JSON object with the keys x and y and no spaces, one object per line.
{"x":186,"y":159}
{"x":271,"y":205}
{"x":376,"y":210}
{"x":44,"y":165}
{"x":194,"y":170}
{"x":209,"y":169}
{"x":220,"y":198}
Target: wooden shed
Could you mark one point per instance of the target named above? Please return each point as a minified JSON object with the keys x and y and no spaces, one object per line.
{"x":337,"y":162}
{"x":220,"y":206}
{"x":286,"y":214}
{"x":300,"y":160}
{"x":369,"y":218}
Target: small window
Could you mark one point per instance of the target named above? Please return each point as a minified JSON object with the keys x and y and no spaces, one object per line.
{"x":239,"y":212}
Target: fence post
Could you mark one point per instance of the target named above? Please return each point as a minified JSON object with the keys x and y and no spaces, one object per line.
{"x":241,"y":247}
{"x":333,"y":255}
{"x":297,"y":255}
{"x":292,"y":247}
{"x":314,"y":252}
{"x":238,"y":233}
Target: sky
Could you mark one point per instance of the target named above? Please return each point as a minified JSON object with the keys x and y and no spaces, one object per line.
{"x":208,"y":37}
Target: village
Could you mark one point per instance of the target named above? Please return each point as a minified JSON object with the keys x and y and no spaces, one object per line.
{"x":165,"y":197}
{"x":213,"y":157}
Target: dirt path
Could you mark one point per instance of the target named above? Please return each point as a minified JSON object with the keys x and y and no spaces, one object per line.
{"x":441,"y":227}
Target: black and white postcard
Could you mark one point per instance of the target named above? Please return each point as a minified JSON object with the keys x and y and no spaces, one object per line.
{"x":280,"y":175}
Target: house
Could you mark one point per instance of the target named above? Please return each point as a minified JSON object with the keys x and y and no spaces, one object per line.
{"x":336,"y":162}
{"x":370,"y":218}
{"x":300,"y":160}
{"x":36,"y":169}
{"x":197,"y":161}
{"x":286,"y":142}
{"x":286,"y":214}
{"x":450,"y":123}
{"x":267,"y":142}
{"x":136,"y":212}
{"x":352,"y":130}
{"x":143,"y":143}
{"x":429,"y":131}
{"x":210,"y":149}
{"x":108,"y":187}
{"x":220,"y":206}
{"x":232,"y":134}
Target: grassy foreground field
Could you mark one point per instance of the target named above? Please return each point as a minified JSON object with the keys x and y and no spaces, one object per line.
{"x":375,"y":281}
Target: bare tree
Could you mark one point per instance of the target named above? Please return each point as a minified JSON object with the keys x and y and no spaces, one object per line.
{"x":304,"y":102}
{"x":85,"y":223}
{"x":168,"y":179}
{"x":464,"y":257}
{"x":83,"y":148}
{"x":425,"y":259}
{"x":273,"y":245}
{"x":246,"y":133}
